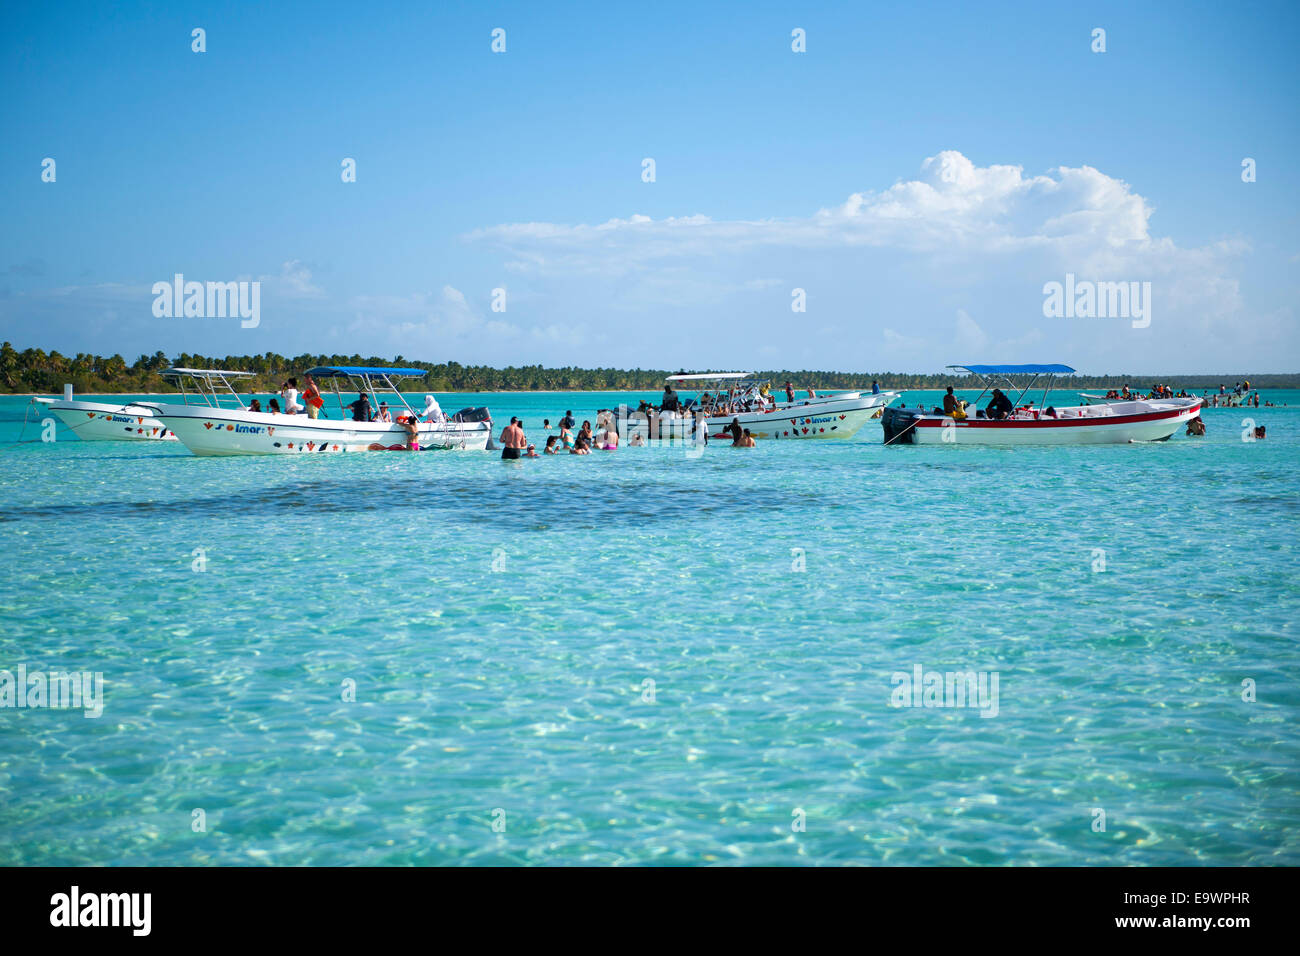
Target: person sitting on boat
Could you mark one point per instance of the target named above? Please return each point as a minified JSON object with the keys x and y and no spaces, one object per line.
{"x":433,"y":411}
{"x":254,"y":406}
{"x":383,"y":414}
{"x":273,"y":407}
{"x":360,"y":408}
{"x":950,"y":403}
{"x":1196,"y":427}
{"x":289,"y":392}
{"x":1000,"y":406}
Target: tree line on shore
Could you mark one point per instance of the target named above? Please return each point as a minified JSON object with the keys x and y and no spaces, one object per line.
{"x":34,"y":370}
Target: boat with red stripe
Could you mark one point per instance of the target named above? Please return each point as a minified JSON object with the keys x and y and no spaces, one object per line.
{"x":1007,"y":421}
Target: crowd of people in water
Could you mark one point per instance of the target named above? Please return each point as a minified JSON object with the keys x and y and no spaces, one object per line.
{"x":570,"y":438}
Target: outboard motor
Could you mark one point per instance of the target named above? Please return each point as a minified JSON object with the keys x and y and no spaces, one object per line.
{"x":899,"y":425}
{"x":480,"y":414}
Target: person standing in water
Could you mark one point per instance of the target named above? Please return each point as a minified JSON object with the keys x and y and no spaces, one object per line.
{"x":410,"y":423}
{"x":513,"y":441}
{"x":735,"y":430}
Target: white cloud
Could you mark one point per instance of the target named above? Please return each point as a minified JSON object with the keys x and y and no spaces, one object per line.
{"x":292,"y":282}
{"x":446,"y":325}
{"x":893,"y":260}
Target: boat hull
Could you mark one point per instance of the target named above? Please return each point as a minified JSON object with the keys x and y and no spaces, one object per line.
{"x":219,"y":431}
{"x":98,"y":421}
{"x":837,"y":418}
{"x":1109,"y":424}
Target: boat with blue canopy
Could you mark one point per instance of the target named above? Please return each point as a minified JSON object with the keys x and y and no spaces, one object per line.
{"x":1020,"y":421}
{"x":379,"y":419}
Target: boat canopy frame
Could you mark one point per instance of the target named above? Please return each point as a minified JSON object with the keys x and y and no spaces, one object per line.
{"x":993,"y":375}
{"x":366,"y":376}
{"x":205,"y":382}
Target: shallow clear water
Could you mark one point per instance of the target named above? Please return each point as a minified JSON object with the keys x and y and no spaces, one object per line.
{"x":500,"y":621}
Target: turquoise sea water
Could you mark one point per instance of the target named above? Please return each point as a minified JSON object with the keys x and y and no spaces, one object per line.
{"x":501,"y":621}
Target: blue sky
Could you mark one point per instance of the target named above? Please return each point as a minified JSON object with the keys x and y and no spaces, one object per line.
{"x":920,"y":172}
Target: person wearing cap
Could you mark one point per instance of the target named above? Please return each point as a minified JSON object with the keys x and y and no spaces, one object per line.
{"x":360,"y":408}
{"x":532,"y":452}
{"x":383,"y":415}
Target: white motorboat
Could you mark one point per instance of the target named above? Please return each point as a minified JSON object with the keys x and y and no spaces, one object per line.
{"x":239,"y":431}
{"x":741,"y":397}
{"x":100,"y":421}
{"x":1014,"y":422}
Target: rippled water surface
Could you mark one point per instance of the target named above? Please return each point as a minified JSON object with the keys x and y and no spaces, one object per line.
{"x":502,"y":622}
